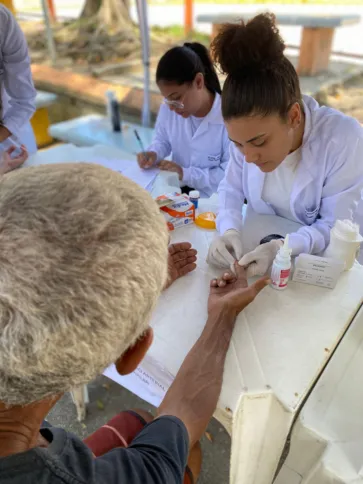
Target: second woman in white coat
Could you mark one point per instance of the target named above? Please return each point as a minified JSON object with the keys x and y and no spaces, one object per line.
{"x":189,"y":126}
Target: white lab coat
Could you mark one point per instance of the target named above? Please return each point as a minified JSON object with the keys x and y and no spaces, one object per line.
{"x":17,"y":88}
{"x":203,"y":156}
{"x":327,"y":186}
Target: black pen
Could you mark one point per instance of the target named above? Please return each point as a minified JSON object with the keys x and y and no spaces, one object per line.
{"x":140,"y":142}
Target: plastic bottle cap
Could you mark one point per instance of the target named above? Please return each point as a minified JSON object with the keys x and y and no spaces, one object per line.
{"x":206,"y":220}
{"x":194,"y":194}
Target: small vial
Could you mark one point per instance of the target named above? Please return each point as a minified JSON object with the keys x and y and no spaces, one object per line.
{"x":194,"y":197}
{"x":281,"y":267}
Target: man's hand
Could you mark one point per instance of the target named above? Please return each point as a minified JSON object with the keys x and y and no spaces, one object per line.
{"x":232,"y":292}
{"x":166,"y":165}
{"x":181,"y":261}
{"x":8,"y":163}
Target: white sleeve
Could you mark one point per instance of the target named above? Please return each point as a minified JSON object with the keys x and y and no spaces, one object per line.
{"x":208,"y":179}
{"x":161,"y":143}
{"x":341,"y":193}
{"x":18,"y":81}
{"x":231,"y":196}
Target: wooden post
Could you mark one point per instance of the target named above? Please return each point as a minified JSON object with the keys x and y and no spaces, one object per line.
{"x":188,"y":16}
{"x":52,"y":12}
{"x":315,"y":50}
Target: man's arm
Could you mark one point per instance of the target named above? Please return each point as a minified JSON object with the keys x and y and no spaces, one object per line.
{"x":195,"y":391}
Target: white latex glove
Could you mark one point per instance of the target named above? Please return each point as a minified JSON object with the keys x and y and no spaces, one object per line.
{"x":259,"y":261}
{"x":225,"y":249}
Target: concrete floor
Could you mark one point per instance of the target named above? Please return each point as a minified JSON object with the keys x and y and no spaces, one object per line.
{"x":108,"y":398}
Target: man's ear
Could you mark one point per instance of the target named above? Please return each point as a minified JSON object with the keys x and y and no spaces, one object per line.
{"x":130,"y":360}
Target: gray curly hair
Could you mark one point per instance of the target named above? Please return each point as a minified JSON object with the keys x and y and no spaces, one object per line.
{"x":83,"y":259}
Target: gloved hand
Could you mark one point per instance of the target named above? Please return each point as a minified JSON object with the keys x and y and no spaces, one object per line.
{"x":225,"y":249}
{"x":259,"y":261}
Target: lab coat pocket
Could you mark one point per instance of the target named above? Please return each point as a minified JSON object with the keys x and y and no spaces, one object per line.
{"x":205,"y":159}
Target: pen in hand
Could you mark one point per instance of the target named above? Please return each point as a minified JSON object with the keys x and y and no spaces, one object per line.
{"x":145,"y":159}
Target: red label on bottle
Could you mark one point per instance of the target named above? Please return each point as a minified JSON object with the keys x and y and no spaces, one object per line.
{"x":284,"y":277}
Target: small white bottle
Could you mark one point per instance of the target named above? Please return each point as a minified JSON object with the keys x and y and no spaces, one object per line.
{"x":345,"y":241}
{"x":281,"y":267}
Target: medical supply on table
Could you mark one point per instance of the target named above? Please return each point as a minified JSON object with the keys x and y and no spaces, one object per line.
{"x":281,"y":267}
{"x":270,"y":237}
{"x":194,"y":197}
{"x":318,"y":271}
{"x":345,"y":241}
{"x":206,"y":220}
{"x":113,"y":111}
{"x":178,"y":210}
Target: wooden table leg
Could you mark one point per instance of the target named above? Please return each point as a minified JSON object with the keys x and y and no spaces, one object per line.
{"x":315,"y":50}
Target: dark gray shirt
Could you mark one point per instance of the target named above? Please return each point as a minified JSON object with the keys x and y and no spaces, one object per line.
{"x":158,"y":455}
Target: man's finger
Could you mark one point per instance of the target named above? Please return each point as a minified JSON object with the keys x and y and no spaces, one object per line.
{"x":182,"y":256}
{"x":184,"y":262}
{"x":188,"y":268}
{"x":260,"y":284}
{"x":240,"y":272}
{"x":179,"y":247}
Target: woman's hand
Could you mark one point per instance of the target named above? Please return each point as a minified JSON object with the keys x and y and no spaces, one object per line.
{"x":182,"y":260}
{"x":232,"y":292}
{"x":9,"y":163}
{"x":166,"y":165}
{"x":147,"y":160}
{"x":259,"y":261}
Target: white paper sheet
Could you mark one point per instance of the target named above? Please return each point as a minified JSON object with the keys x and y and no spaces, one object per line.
{"x":130,"y":169}
{"x":150,"y":381}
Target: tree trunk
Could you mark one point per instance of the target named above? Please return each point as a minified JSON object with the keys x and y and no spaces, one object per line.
{"x":113,"y":14}
{"x":91,"y":7}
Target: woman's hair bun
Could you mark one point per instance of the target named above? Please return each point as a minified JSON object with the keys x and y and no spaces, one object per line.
{"x":256,"y":45}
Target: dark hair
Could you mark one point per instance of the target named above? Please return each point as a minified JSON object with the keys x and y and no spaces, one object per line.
{"x":182,"y":64}
{"x":260,"y":79}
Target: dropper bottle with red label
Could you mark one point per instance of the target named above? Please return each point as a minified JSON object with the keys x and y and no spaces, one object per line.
{"x":281,"y":267}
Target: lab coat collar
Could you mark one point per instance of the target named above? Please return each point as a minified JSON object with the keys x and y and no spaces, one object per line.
{"x":213,"y":117}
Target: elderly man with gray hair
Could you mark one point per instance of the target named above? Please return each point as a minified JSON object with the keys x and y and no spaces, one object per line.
{"x":84,"y":258}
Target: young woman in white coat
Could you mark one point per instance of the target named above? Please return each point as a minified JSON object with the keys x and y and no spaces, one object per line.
{"x":189,"y":126}
{"x":289,"y":156}
{"x":17,"y":89}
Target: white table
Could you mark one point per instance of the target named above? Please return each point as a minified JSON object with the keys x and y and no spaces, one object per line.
{"x":280,"y":346}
